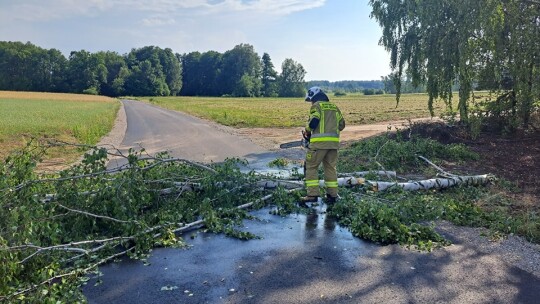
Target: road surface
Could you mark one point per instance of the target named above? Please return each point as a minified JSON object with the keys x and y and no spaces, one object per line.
{"x":301,"y":258}
{"x":156,"y":130}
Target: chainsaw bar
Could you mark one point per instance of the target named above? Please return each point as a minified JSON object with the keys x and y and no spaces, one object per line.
{"x":291,"y":144}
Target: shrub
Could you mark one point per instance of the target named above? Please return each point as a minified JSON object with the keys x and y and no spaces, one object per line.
{"x":91,"y":91}
{"x":369,"y":92}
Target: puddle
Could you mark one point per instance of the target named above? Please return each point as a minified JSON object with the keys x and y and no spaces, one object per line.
{"x":260,"y":163}
{"x":215,"y":264}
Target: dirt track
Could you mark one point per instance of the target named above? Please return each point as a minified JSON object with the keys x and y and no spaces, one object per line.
{"x":271,"y":138}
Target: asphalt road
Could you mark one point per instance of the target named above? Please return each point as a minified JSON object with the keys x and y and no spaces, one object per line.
{"x":299,"y":258}
{"x":156,"y":130}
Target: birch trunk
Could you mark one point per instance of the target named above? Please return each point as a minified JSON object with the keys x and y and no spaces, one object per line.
{"x":433,"y":183}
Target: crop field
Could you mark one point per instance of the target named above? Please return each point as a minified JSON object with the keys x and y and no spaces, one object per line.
{"x":69,"y":117}
{"x":291,"y":112}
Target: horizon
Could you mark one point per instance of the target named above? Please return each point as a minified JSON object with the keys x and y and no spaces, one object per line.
{"x":332,"y":40}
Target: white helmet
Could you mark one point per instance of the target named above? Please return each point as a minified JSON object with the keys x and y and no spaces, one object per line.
{"x":316,"y":94}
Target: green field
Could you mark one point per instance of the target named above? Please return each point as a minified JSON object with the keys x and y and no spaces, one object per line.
{"x":70,"y":117}
{"x":85,"y":118}
{"x":292,"y":112}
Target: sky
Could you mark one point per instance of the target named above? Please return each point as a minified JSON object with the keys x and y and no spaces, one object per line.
{"x":332,"y":39}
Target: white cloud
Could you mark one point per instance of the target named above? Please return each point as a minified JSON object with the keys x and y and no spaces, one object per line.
{"x":35,"y":10}
{"x":278,"y":7}
{"x":158,"y":21}
{"x":52,"y":10}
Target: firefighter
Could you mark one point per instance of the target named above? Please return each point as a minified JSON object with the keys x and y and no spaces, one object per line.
{"x":322,"y":132}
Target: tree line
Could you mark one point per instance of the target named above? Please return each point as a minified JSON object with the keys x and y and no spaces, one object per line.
{"x":347,"y":86}
{"x":148,"y":71}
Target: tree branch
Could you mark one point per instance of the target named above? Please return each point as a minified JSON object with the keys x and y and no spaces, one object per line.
{"x":73,"y":272}
{"x":436,"y":167}
{"x":97,"y":216}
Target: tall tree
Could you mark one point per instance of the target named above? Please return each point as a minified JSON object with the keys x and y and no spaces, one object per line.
{"x":164,"y":65}
{"x":86,"y":72}
{"x":190,"y":74}
{"x":240,"y":62}
{"x":26,"y":67}
{"x":210,"y":69}
{"x":146,"y":80}
{"x":172,"y":69}
{"x":441,"y":42}
{"x":54,"y":72}
{"x":269,"y":77}
{"x":291,"y":80}
{"x":117,"y":72}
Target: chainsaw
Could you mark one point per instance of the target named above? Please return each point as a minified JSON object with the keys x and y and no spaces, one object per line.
{"x":304,"y":142}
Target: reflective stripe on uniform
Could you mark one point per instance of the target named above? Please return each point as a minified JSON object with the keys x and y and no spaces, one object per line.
{"x":331,"y":184}
{"x":312,"y":183}
{"x":338,"y":119}
{"x":324,"y":139}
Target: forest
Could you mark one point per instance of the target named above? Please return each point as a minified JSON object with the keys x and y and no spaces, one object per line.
{"x":148,"y":71}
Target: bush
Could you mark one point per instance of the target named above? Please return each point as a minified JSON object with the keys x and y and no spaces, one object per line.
{"x":369,"y":92}
{"x":91,"y":91}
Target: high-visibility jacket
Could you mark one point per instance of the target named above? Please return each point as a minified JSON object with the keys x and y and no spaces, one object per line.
{"x":325,"y":135}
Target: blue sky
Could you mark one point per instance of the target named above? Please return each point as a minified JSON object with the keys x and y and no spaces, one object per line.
{"x":332,"y":39}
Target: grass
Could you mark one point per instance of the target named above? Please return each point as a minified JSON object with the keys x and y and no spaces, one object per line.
{"x":69,"y":117}
{"x":373,"y":215}
{"x":292,"y":112}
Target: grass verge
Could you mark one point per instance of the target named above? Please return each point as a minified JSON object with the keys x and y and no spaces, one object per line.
{"x":73,"y":118}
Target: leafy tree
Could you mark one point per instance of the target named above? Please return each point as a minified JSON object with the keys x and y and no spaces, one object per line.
{"x":172,"y":68}
{"x":117,"y":72}
{"x":85,"y":71}
{"x":441,"y":42}
{"x":146,"y":80}
{"x":201,"y":74}
{"x":239,"y":62}
{"x":190,"y":74}
{"x":164,"y":66}
{"x":247,"y":86}
{"x":26,"y":67}
{"x":54,"y":72}
{"x":210,"y":69}
{"x":269,"y":77}
{"x":291,"y":79}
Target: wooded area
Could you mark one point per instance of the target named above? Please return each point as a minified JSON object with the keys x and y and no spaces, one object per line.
{"x":148,"y":71}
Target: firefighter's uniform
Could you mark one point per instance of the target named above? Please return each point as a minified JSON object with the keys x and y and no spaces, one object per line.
{"x":323,"y":147}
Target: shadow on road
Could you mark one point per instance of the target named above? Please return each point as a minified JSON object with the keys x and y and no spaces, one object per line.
{"x":309,"y":258}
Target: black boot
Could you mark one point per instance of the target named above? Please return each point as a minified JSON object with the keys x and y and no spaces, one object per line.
{"x":331,"y":199}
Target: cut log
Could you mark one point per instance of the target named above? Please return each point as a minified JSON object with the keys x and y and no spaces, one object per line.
{"x":433,"y":183}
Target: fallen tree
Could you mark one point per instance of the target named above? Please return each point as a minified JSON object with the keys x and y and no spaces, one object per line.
{"x":60,"y":227}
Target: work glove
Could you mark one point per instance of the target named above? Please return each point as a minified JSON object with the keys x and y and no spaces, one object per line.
{"x":306,"y":134}
{"x":305,"y":141}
